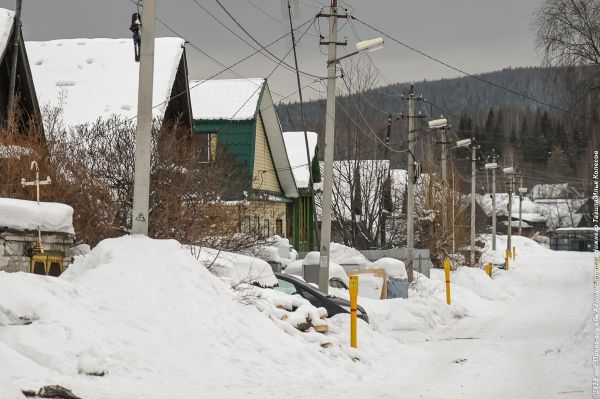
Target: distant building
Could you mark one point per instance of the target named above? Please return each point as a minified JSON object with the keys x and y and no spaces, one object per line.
{"x":239,"y":115}
{"x":573,"y":239}
{"x":89,"y":79}
{"x":24,"y":86}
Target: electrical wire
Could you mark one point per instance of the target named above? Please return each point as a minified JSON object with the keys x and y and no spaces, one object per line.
{"x":525,"y":96}
{"x":260,"y":45}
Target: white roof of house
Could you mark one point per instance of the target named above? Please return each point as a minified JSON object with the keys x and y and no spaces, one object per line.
{"x":6,"y":22}
{"x":230,"y":99}
{"x":295,"y":146}
{"x":98,"y":78}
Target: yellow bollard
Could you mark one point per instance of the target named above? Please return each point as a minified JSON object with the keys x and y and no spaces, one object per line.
{"x":508,"y":256}
{"x":447,"y":273}
{"x":514,"y":253}
{"x":353,"y":300}
{"x":488,"y":269}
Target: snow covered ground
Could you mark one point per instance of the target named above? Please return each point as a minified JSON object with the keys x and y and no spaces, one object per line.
{"x":159,"y":325}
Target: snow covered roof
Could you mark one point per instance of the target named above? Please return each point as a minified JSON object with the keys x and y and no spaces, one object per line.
{"x":485,"y":201}
{"x":6,"y":23}
{"x":98,"y":78}
{"x":28,"y":215}
{"x":229,"y":99}
{"x":296,"y":151}
{"x":551,"y":191}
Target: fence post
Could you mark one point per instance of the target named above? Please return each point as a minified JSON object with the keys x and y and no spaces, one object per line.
{"x":353,"y":305}
{"x":447,"y":273}
{"x":507,"y":258}
{"x":514,"y":253}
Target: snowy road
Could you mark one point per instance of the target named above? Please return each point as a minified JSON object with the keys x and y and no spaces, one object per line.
{"x":536,"y":345}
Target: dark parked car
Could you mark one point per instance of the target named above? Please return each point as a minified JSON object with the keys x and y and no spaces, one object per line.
{"x":291,"y":285}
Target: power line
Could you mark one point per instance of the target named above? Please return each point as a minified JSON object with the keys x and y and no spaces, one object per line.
{"x":525,"y":96}
{"x":259,"y":44}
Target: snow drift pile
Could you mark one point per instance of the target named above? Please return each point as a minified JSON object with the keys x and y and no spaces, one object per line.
{"x":146,"y":316}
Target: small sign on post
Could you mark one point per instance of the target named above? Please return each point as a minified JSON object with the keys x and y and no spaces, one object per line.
{"x":353,"y":306}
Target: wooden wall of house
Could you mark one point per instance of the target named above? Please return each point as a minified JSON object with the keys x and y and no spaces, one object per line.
{"x":264,"y":176}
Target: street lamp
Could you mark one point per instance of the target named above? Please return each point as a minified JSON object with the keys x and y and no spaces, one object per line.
{"x":463,"y":143}
{"x":367,"y":45}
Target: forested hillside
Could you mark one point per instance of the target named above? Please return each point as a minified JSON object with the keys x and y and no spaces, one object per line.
{"x":523,"y":132}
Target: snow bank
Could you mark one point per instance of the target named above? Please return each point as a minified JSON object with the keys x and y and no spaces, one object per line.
{"x":157,"y":323}
{"x":28,"y":215}
{"x":236,"y":268}
{"x":394,"y":268}
{"x":344,"y":255}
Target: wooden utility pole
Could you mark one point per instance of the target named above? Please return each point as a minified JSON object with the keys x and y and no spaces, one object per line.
{"x":143,"y":134}
{"x":13,"y":63}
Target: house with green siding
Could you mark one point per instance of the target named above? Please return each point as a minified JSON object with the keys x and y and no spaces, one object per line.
{"x":239,"y":115}
{"x":302,"y":235}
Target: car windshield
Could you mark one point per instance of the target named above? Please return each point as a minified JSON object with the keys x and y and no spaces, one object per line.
{"x":285,"y":287}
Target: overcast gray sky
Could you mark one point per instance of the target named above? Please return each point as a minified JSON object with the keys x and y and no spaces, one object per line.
{"x":475,"y":35}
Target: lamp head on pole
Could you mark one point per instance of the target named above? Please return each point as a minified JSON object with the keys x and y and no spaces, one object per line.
{"x":370,"y":45}
{"x":463,"y":143}
{"x":438,"y":124}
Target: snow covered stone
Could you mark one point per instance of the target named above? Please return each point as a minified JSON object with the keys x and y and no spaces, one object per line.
{"x":28,"y":215}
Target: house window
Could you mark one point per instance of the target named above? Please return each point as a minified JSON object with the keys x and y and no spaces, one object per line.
{"x":206,"y":143}
{"x":256,"y":225}
{"x":279,"y":227}
{"x":266,"y":232}
{"x":212,"y":139}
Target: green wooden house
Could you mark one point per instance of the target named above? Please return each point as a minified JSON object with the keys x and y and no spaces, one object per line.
{"x":239,"y":114}
{"x":302,"y":233}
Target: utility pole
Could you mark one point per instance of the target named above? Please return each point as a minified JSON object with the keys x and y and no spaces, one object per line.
{"x":143,"y":134}
{"x":386,"y":187}
{"x":520,"y":204}
{"x":509,"y":188}
{"x":329,"y":147}
{"x":410,"y":190}
{"x":494,"y":200}
{"x":444,"y":180}
{"x":13,"y":62}
{"x":474,"y":148}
